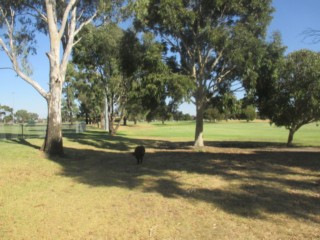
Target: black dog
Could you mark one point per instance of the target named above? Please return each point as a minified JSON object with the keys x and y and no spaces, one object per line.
{"x":139,"y":152}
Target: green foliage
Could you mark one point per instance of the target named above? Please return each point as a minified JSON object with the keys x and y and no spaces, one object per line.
{"x":249,"y":113}
{"x":69,"y":109}
{"x":97,"y":58}
{"x":213,"y":114}
{"x":204,"y":31}
{"x":180,"y":116}
{"x":6,"y":113}
{"x":269,"y":74}
{"x":154,"y":85}
{"x":299,"y":90}
{"x":226,"y":104}
{"x":23,"y":116}
{"x":218,"y":42}
{"x":6,"y":109}
{"x":295,"y":95}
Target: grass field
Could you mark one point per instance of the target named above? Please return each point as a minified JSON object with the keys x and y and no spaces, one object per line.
{"x":238,"y":187}
{"x":238,"y":131}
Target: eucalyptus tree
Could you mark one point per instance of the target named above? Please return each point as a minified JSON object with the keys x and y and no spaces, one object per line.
{"x":162,"y":88}
{"x":269,"y":73}
{"x":61,"y":21}
{"x":69,"y":107}
{"x":130,"y":61}
{"x":249,"y":113}
{"x":157,"y":85}
{"x":217,"y":42}
{"x":7,"y":112}
{"x":97,"y":58}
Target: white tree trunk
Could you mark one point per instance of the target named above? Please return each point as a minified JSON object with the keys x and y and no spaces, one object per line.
{"x":65,"y":29}
{"x":53,"y":143}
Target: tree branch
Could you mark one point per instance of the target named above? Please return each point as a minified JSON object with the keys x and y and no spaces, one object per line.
{"x":312,"y":33}
{"x":8,"y":68}
{"x":20,"y":73}
{"x":222,"y":76}
{"x":51,"y":17}
{"x":42,"y":16}
{"x":89,"y":20}
{"x":76,"y":42}
{"x":65,"y":17}
{"x":12,"y":56}
{"x":215,"y":62}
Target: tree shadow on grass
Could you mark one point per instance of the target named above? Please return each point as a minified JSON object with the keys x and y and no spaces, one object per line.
{"x":257,"y":182}
{"x":25,"y":142}
{"x":105,"y":141}
{"x":263,"y":181}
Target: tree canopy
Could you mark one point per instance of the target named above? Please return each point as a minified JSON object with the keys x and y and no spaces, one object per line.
{"x":130,"y":71}
{"x":294,"y":95}
{"x":217,"y":42}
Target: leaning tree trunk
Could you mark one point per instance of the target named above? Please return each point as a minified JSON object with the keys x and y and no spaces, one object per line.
{"x":199,"y":127}
{"x":200,"y":97}
{"x":292,"y":131}
{"x":290,"y":137}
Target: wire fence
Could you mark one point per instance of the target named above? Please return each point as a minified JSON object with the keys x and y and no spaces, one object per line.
{"x":23,"y":131}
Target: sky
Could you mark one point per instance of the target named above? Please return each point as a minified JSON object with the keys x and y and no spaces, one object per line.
{"x":291,"y":18}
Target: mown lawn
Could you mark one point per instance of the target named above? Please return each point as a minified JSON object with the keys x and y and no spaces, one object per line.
{"x":232,"y":131}
{"x":232,"y":189}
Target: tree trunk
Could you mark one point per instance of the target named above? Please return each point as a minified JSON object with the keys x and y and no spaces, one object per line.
{"x":118,"y":125}
{"x":290,"y":137}
{"x":87,"y":118}
{"x":53,"y":144}
{"x":111,"y":126}
{"x":199,"y":119}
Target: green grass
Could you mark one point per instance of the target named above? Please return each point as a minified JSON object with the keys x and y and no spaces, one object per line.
{"x":236,"y":131}
{"x":230,"y":190}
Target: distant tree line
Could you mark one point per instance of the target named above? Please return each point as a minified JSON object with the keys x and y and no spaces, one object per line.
{"x":7,"y":115}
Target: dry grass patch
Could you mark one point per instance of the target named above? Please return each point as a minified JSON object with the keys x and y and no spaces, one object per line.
{"x":177,"y":193}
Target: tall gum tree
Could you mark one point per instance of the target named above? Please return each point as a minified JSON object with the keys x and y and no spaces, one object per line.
{"x":61,"y":20}
{"x":218,"y":42}
{"x":97,"y":58}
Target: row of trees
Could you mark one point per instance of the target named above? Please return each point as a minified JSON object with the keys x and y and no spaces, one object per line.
{"x":115,"y":72}
{"x":177,"y":49}
{"x":7,"y":115}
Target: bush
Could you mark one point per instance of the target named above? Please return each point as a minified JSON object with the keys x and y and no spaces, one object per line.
{"x":249,"y":113}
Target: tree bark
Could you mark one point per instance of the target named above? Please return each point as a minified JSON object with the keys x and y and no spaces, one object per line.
{"x":199,"y":142}
{"x":290,"y":137}
{"x":53,"y":143}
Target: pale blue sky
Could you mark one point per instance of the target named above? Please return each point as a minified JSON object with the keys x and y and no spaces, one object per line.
{"x":291,"y":18}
